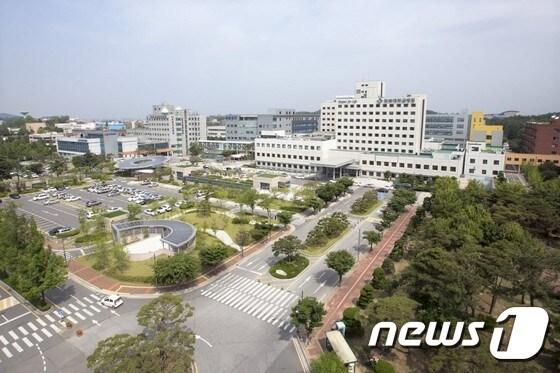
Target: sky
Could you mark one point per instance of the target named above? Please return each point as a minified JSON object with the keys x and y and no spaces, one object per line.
{"x":115,"y":59}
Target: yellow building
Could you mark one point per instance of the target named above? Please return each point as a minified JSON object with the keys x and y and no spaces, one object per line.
{"x":480,"y":131}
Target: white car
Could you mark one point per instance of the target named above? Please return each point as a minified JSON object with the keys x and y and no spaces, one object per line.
{"x":113,"y":209}
{"x":161,"y":210}
{"x":50,"y":202}
{"x":49,"y":190}
{"x":166,"y":207}
{"x":150,"y":212}
{"x":90,"y":214}
{"x":111,"y":301}
{"x":40,"y":197}
{"x":73,"y":198}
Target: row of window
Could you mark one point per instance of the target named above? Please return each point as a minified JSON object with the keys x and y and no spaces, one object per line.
{"x":376,"y":105}
{"x":286,"y":165}
{"x":485,"y":161}
{"x":369,"y":149}
{"x":404,"y":135}
{"x":377,"y":120}
{"x":287,"y":146}
{"x":289,"y":156}
{"x":417,"y":166}
{"x":375,"y":142}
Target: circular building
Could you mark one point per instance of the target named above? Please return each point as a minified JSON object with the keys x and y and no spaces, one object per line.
{"x":141,"y":163}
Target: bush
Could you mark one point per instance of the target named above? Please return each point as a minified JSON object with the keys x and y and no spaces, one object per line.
{"x":379,"y":280}
{"x":261,"y":230}
{"x":240,"y":220}
{"x":292,"y":268}
{"x":366,"y":296}
{"x":176,"y":269}
{"x":388,"y":266}
{"x":186,"y":205}
{"x":365,"y":203}
{"x":211,"y":256}
{"x":329,"y":227}
{"x":351,"y":318}
{"x":383,"y":366}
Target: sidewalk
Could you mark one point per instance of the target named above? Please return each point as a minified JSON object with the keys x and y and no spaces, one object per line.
{"x":107,"y":284}
{"x":350,"y":288}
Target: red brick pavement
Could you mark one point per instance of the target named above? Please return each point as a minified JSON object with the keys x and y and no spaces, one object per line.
{"x":350,"y":288}
{"x":103,"y":282}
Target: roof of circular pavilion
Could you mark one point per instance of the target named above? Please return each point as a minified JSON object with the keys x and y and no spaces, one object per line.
{"x":178,"y":233}
{"x":140,"y":163}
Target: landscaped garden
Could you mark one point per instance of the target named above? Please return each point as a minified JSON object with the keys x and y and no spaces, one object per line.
{"x":327,"y":231}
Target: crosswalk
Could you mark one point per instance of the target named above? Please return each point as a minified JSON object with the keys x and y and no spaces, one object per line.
{"x":40,"y":329}
{"x":264,"y":302}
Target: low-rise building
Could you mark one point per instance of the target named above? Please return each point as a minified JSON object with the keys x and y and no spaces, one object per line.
{"x":542,"y":138}
{"x":216,"y":132}
{"x":514,"y":161}
{"x":217,"y":147}
{"x":480,"y":131}
{"x":269,"y":181}
{"x":71,"y":146}
{"x":48,"y":138}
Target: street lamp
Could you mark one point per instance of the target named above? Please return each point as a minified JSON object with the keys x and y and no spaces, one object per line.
{"x":358,"y":247}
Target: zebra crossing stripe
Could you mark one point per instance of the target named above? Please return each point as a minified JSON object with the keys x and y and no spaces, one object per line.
{"x":257,"y":309}
{"x":72,"y":320}
{"x":87,"y":312}
{"x":73,"y":307}
{"x":87,"y":300}
{"x":231,"y":298}
{"x":23,"y":331}
{"x":27,"y":342}
{"x":55,"y":328}
{"x":7,"y":352}
{"x":279,"y":317}
{"x":37,"y":337}
{"x":251,"y":305}
{"x":17,"y":347}
{"x":50,"y":318}
{"x":31,"y":326}
{"x":94,"y":296}
{"x":272,"y":310}
{"x":46,"y":332}
{"x":265,"y":310}
{"x":239,"y":300}
{"x":4,"y":340}
{"x":80,"y":316}
{"x":13,"y":335}
{"x":94,"y":308}
{"x":257,"y":288}
{"x":41,"y":322}
{"x":66,"y":311}
{"x":252,"y":286}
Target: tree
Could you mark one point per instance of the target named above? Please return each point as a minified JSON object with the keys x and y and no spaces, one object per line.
{"x":289,"y":246}
{"x":48,"y":271}
{"x":341,"y":261}
{"x":101,"y":255}
{"x":366,"y":296}
{"x":6,"y":166}
{"x":36,"y":168}
{"x":211,"y":256}
{"x":82,"y":219}
{"x":249,"y":198}
{"x":176,"y":269}
{"x":397,"y":308}
{"x":315,"y":203}
{"x":165,"y":345}
{"x":372,"y":237}
{"x":133,"y":211}
{"x":195,"y":149}
{"x":308,"y":313}
{"x":328,"y":362}
{"x":120,"y":258}
{"x":243,"y":239}
{"x":284,"y":217}
{"x":266,"y":203}
{"x":58,"y":166}
{"x":379,"y":280}
{"x":388,"y":266}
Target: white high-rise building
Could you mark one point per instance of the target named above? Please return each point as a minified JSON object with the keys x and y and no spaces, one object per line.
{"x":368,"y":121}
{"x":175,"y":125}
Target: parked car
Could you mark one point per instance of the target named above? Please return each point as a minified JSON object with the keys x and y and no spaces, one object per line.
{"x":146,"y":182}
{"x":161,"y":210}
{"x":59,"y":230}
{"x":92,"y":203}
{"x":111,"y":301}
{"x":166,"y":207}
{"x":150,"y":212}
{"x":152,"y":184}
{"x":50,"y":202}
{"x":15,"y":196}
{"x":90,"y":214}
{"x":73,"y":198}
{"x":49,"y":190}
{"x":112,"y":194}
{"x":40,"y":197}
{"x":113,"y":209}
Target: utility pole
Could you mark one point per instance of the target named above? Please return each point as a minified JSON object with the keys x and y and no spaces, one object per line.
{"x":358,"y":248}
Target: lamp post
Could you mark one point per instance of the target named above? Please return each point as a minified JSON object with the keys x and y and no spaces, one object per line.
{"x":358,"y":247}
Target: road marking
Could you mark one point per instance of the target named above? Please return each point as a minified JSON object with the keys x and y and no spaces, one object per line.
{"x":55,"y":328}
{"x":80,"y":316}
{"x":304,"y":281}
{"x":27,"y":342}
{"x":46,"y":332}
{"x":49,"y":317}
{"x":73,"y":307}
{"x":94,"y":308}
{"x":87,"y":312}
{"x":23,"y":331}
{"x":42,"y":358}
{"x":66,"y":311}
{"x":13,"y":335}
{"x":15,"y":318}
{"x":49,"y":213}
{"x":96,"y":322}
{"x":88,"y":300}
{"x":261,"y":267}
{"x":4,"y":340}
{"x":250,"y":270}
{"x":203,"y":340}
{"x":94,"y":296}
{"x":319,"y":287}
{"x":72,"y":320}
{"x":82,"y":304}
{"x":17,"y":347}
{"x":41,"y":322}
{"x":31,"y":326}
{"x":114,"y":312}
{"x":7,"y":352}
{"x":37,"y":337}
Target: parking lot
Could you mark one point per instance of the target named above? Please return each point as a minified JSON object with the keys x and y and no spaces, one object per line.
{"x":66,"y":213}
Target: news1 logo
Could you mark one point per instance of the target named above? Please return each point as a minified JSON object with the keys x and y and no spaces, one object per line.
{"x":525,"y":341}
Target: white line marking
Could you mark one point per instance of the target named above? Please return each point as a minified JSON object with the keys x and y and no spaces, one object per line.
{"x":94,"y":296}
{"x":15,"y":318}
{"x":37,"y":337}
{"x":13,"y":335}
{"x":7,"y":352}
{"x":4,"y":340}
{"x":94,"y":308}
{"x":82,"y":304}
{"x":250,"y":270}
{"x":23,"y":331}
{"x":304,"y":281}
{"x":17,"y":347}
{"x":73,"y":307}
{"x":50,"y":318}
{"x":203,"y":340}
{"x":72,"y":320}
{"x":46,"y":332}
{"x":55,"y":328}
{"x":66,"y":311}
{"x":27,"y":342}
{"x":31,"y":326}
{"x":80,"y":316}
{"x":87,"y":312}
{"x":261,"y":267}
{"x":88,"y":300}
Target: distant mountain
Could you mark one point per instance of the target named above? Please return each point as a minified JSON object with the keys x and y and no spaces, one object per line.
{"x":4,"y":116}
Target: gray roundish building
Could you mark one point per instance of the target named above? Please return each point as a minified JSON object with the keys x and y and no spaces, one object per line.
{"x":176,"y":235}
{"x":141,"y":163}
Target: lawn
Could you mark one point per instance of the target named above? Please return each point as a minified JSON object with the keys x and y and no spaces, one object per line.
{"x":369,"y":210}
{"x":137,"y":272}
{"x":292,"y":268}
{"x":293,"y":206}
{"x":318,"y":250}
{"x":215,"y":221}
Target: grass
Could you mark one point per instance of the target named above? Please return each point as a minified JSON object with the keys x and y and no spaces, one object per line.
{"x":292,"y":268}
{"x":215,"y":221}
{"x":114,"y":214}
{"x":368,"y":211}
{"x":281,"y":204}
{"x":318,"y":250}
{"x":92,"y":237}
{"x":137,"y":272}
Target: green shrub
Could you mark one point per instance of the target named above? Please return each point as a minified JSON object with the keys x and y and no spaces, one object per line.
{"x":240,"y":220}
{"x":211,"y":256}
{"x":383,"y":366}
{"x":71,"y":233}
{"x":351,"y":318}
{"x":366,"y":296}
{"x":388,"y":266}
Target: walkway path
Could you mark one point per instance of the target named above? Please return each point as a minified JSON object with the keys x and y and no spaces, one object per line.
{"x":223,"y":237}
{"x":350,"y":288}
